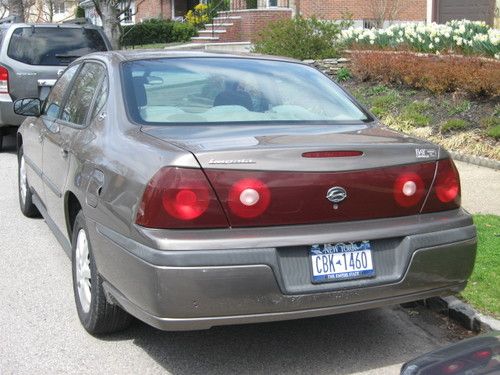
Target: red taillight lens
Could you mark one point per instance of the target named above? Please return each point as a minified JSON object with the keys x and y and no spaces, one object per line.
{"x":482,"y":355}
{"x":4,"y":80}
{"x":249,"y":198}
{"x":453,"y":368}
{"x":447,"y":185}
{"x":180,"y":198}
{"x":408,"y":189}
{"x":445,"y":193}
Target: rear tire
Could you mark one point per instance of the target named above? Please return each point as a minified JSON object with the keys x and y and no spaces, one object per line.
{"x":25,"y":195}
{"x":96,"y":314}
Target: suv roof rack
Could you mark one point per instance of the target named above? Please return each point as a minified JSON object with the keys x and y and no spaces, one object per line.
{"x":79,"y":21}
{"x":10,"y":19}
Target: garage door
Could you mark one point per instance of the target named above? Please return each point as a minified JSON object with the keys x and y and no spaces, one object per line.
{"x":475,"y":10}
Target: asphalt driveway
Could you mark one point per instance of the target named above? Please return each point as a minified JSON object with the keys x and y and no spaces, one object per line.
{"x":40,"y":332}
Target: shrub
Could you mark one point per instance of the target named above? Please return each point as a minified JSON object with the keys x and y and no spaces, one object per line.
{"x":299,"y":38}
{"x":157,"y":31}
{"x":454,"y":124}
{"x":198,"y":16}
{"x":80,"y":12}
{"x":438,"y":74}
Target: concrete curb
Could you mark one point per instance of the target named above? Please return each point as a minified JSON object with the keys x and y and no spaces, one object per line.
{"x":477,"y":160}
{"x":462,"y":313}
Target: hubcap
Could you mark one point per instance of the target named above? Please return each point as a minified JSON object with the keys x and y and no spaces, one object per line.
{"x":23,"y":180}
{"x":83,"y":270}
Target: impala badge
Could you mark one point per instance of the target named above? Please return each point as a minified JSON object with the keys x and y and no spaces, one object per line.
{"x":336,"y":194}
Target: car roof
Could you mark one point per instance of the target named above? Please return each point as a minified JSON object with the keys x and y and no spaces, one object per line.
{"x":52,"y":25}
{"x":130,"y":55}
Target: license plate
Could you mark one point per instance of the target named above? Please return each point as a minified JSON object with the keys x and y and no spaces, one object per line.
{"x":341,"y":261}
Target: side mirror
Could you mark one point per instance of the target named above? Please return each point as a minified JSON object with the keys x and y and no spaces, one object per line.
{"x":28,"y":107}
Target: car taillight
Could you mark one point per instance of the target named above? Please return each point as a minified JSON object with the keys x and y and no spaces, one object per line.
{"x":482,"y":355}
{"x":408,"y":189}
{"x":4,"y":80}
{"x":453,"y":367}
{"x":445,"y":192}
{"x":180,"y":198}
{"x":249,"y":198}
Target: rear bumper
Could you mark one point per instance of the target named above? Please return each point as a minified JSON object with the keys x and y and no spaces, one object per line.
{"x":198,"y":289}
{"x":7,"y":115}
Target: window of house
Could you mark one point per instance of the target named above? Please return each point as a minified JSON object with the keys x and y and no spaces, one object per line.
{"x":127,"y":15}
{"x":369,"y":24}
{"x":59,"y":7}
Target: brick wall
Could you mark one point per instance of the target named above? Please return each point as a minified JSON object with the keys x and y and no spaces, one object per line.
{"x":412,"y":10}
{"x":254,"y":20}
{"x":153,"y":9}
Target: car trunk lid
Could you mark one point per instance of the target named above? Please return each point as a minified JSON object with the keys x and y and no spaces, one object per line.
{"x":278,"y":175}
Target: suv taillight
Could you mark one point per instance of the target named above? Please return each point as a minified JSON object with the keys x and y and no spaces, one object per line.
{"x":445,"y":192}
{"x":180,"y":198}
{"x":4,"y":80}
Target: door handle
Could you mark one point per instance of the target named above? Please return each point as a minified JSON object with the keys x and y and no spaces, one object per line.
{"x":64,"y":153}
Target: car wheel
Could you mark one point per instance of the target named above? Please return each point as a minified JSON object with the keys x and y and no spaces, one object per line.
{"x":1,"y":142}
{"x":25,"y":195}
{"x":96,"y":314}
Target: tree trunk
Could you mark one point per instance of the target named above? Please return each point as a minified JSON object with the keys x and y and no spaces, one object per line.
{"x":111,"y":24}
{"x":16,"y":8}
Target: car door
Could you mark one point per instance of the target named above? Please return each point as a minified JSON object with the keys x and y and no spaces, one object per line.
{"x":57,"y":148}
{"x":37,"y":128}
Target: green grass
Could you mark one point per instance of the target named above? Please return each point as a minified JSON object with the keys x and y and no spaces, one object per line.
{"x":454,"y":124}
{"x":416,"y":114}
{"x":383,"y":104}
{"x":343,"y":74}
{"x":494,"y":132}
{"x":483,"y":289}
{"x":151,"y":46}
{"x":458,"y":108}
{"x":490,"y":122}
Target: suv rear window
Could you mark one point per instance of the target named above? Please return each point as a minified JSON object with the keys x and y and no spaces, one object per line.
{"x":53,"y":45}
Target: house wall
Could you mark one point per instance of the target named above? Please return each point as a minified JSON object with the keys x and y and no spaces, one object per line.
{"x":153,"y":9}
{"x":254,"y":20}
{"x":412,"y":10}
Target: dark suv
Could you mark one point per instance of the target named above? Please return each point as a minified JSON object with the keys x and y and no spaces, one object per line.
{"x":32,"y":56}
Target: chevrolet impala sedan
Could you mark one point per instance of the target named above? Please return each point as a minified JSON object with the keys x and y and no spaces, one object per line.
{"x":196,"y":189}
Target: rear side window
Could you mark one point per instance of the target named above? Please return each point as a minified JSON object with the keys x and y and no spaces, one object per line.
{"x":80,"y":97}
{"x":54,"y":100}
{"x":53,"y":45}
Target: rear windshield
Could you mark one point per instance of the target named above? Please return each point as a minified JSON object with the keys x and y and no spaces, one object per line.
{"x":230,"y":90}
{"x":53,"y":45}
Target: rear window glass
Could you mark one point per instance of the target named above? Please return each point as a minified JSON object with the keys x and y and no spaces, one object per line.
{"x":230,"y":90}
{"x":53,"y":45}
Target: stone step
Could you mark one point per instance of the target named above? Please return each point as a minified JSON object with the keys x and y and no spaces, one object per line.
{"x":204,"y":32}
{"x":223,"y":24}
{"x":205,"y":38}
{"x":226,"y":18}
